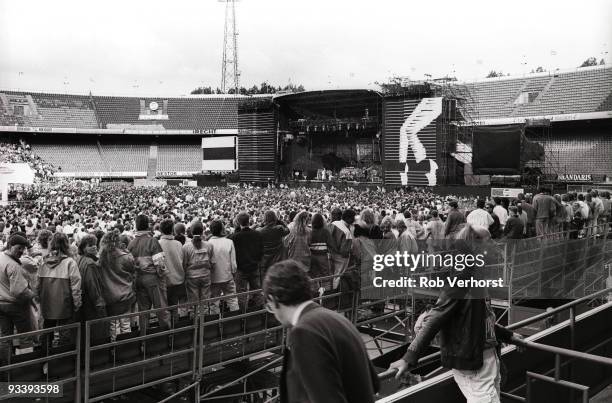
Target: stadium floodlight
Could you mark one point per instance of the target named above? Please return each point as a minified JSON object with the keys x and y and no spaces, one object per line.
{"x":230,"y":75}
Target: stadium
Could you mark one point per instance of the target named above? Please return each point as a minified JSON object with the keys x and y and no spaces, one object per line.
{"x":272,"y":138}
{"x":151,"y":245}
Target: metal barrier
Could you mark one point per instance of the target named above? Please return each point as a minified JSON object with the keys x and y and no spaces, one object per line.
{"x":46,"y":363}
{"x":191,"y":350}
{"x":155,"y":354}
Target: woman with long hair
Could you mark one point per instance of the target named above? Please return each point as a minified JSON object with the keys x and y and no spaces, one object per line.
{"x":94,"y":306}
{"x":272,"y":232}
{"x":366,"y":225}
{"x":117,"y":279}
{"x":298,"y":240}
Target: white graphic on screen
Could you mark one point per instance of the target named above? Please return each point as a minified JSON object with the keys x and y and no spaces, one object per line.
{"x":426,"y":112}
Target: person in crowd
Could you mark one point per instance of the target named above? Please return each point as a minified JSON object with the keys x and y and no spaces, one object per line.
{"x":522,"y":215}
{"x":435,"y":227}
{"x":598,"y":211}
{"x":297,"y":241}
{"x":15,"y":295}
{"x":583,"y":206}
{"x":515,"y":227}
{"x":406,"y":241}
{"x":342,"y":236}
{"x":588,"y":200}
{"x":545,"y":207}
{"x":454,"y":220}
{"x":198,"y":263}
{"x":59,"y":287}
{"x":151,"y":271}
{"x":179,"y":232}
{"x":173,"y":253}
{"x":495,"y":229}
{"x":325,"y":360}
{"x":272,"y":233}
{"x":480,"y":216}
{"x":321,"y":242}
{"x":41,"y":245}
{"x":470,"y":337}
{"x":366,"y":225}
{"x":117,"y":273}
{"x":291,"y":219}
{"x":386,"y":226}
{"x":249,"y":252}
{"x":500,"y":211}
{"x":93,"y":303}
{"x":224,"y":267}
{"x":413,"y":226}
{"x":531,"y":214}
{"x":569,"y":213}
{"x":559,"y":218}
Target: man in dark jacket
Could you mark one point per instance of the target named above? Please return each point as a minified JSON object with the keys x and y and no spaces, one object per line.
{"x":514,"y":226}
{"x":249,"y":251}
{"x":325,"y":359}
{"x":272,"y":234}
{"x":495,"y":229}
{"x":469,"y":338}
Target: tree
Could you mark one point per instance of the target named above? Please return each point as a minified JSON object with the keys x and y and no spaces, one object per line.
{"x":591,"y":61}
{"x":494,"y":73}
{"x":202,"y":90}
{"x":264,"y":88}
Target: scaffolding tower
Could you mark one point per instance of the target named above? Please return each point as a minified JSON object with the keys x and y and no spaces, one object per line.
{"x":229,"y":69}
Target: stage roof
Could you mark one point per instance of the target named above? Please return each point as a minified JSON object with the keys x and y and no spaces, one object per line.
{"x":330,"y":103}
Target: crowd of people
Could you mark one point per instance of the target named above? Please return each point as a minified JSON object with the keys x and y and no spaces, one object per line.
{"x":79,"y":252}
{"x":20,"y":151}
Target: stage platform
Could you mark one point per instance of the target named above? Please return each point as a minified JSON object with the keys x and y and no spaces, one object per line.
{"x":338,"y":184}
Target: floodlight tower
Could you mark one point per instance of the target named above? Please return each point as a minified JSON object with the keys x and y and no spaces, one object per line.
{"x":229,"y":67}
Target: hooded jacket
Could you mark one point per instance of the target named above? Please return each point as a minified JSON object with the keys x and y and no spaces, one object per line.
{"x":59,"y":287}
{"x":93,"y":302}
{"x":118,"y":280}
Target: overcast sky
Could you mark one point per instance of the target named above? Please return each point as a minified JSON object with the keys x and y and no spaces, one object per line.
{"x":139,"y":47}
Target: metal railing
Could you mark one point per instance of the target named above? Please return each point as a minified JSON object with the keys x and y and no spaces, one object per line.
{"x":37,"y":365}
{"x":220,"y":340}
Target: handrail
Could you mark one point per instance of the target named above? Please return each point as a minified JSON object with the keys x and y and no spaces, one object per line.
{"x":558,"y":309}
{"x":564,"y":351}
{"x":429,"y":358}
